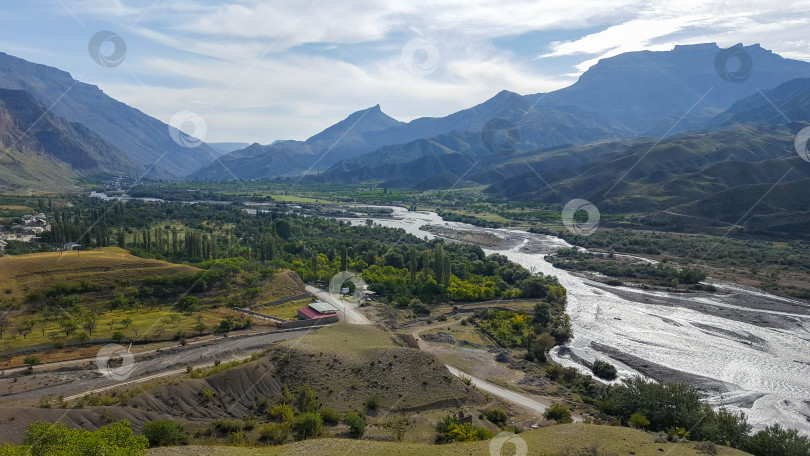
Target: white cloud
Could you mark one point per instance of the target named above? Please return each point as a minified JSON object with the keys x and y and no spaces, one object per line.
{"x":239,"y":64}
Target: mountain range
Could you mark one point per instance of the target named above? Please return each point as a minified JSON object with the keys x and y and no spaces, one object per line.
{"x":142,"y":139}
{"x":681,"y":132}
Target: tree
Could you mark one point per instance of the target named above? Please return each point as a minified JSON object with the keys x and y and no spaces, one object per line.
{"x":534,"y":287}
{"x":227,"y":324}
{"x":188,"y":304}
{"x":496,"y":416}
{"x":639,"y":421}
{"x":283,"y":229}
{"x":25,"y":327}
{"x":89,"y":326}
{"x":200,"y":328}
{"x":126,"y":322}
{"x":276,"y":433}
{"x":82,"y":338}
{"x":558,"y":413}
{"x":356,"y":423}
{"x":604,"y":370}
{"x":68,"y":326}
{"x":118,"y":336}
{"x":344,"y":259}
{"x":308,"y":400}
{"x":3,"y":326}
{"x":308,"y":425}
{"x":32,"y":361}
{"x":776,"y":440}
{"x":163,"y":433}
{"x":116,"y":439}
{"x":542,"y":313}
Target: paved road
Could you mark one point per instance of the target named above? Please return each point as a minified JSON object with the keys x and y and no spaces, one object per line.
{"x":349,"y":309}
{"x":503,"y":393}
{"x":76,"y":381}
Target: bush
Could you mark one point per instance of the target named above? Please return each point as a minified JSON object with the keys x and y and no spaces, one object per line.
{"x":450,"y":430}
{"x":116,"y":439}
{"x":356,"y":423}
{"x":308,"y":400}
{"x":558,"y":413}
{"x":226,"y":427}
{"x":724,"y":428}
{"x":420,"y":308}
{"x":282,"y":412}
{"x":604,"y":370}
{"x":776,"y":440}
{"x":639,"y":421}
{"x":373,"y":403}
{"x":308,"y":425}
{"x":162,"y":433}
{"x":276,"y":434}
{"x":330,"y":416}
{"x":665,"y":405}
{"x":496,"y":416}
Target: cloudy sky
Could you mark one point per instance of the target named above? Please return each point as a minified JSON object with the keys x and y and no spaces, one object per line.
{"x":257,"y":71}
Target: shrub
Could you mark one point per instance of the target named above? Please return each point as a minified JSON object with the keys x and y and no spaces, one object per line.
{"x":639,"y":421}
{"x":604,"y":370}
{"x":308,"y":400}
{"x":373,"y":403}
{"x":775,"y":440}
{"x":706,"y":448}
{"x":163,"y":432}
{"x":450,"y":430}
{"x":420,"y":308}
{"x":665,"y":405}
{"x":225,"y":426}
{"x":282,"y":412}
{"x":558,"y":413}
{"x":276,"y":433}
{"x":724,"y":428}
{"x":330,"y":416}
{"x":356,"y":423}
{"x":497,"y":416}
{"x":308,"y":425}
{"x":116,"y":439}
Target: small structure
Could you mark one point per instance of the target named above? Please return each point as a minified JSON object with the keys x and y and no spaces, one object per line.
{"x":318,"y":310}
{"x":71,"y":246}
{"x":3,"y":245}
{"x":369,"y":295}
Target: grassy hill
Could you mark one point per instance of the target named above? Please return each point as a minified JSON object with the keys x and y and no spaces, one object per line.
{"x":118,"y":292}
{"x":570,"y":439}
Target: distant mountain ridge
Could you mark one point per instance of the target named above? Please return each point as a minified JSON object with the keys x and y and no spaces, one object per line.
{"x":41,"y":149}
{"x":634,"y":94}
{"x":143,"y":139}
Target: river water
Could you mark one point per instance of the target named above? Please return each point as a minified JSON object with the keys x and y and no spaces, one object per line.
{"x":759,"y":365}
{"x":745,"y":349}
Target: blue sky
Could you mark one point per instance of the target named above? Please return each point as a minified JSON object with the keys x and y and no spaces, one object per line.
{"x":257,"y":71}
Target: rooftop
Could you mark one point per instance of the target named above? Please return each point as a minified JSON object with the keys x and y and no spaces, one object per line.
{"x":310,"y":313}
{"x":323,"y":307}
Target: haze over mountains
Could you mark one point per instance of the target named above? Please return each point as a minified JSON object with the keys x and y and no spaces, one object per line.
{"x":142,"y":139}
{"x":678,"y":131}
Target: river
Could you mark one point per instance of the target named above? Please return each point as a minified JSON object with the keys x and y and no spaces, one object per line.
{"x":745,"y":349}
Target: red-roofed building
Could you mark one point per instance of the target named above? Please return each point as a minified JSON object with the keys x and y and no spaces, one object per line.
{"x":308,"y":313}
